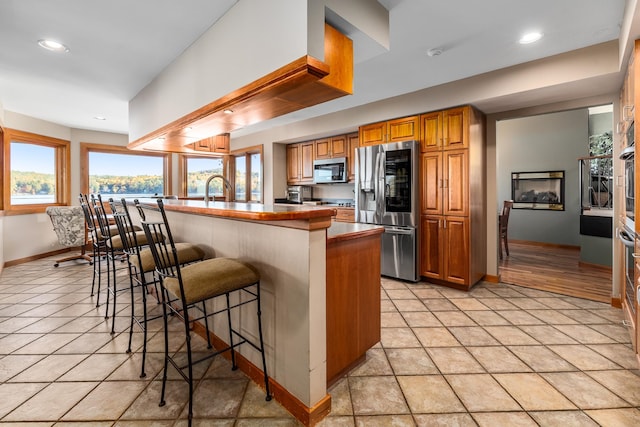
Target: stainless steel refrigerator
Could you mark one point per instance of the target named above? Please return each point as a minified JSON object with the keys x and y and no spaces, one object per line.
{"x":386,"y":194}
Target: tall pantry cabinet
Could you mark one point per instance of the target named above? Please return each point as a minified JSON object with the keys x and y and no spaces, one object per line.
{"x":452,"y":195}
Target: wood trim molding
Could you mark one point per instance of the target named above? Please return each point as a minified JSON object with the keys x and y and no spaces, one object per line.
{"x":616,"y":302}
{"x":545,"y":244}
{"x":491,"y":278}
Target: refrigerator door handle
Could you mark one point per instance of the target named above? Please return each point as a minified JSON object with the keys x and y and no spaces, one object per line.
{"x":396,"y":230}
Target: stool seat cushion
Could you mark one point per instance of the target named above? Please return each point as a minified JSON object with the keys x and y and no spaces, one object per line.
{"x":212,"y":277}
{"x":113,"y":230}
{"x":187,"y":253}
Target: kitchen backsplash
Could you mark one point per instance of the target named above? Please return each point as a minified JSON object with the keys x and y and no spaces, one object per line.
{"x":334,"y":191}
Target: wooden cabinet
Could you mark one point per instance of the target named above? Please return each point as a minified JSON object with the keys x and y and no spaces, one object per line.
{"x":353,"y":301}
{"x":452,"y":176}
{"x":345,"y":215}
{"x":402,"y":129}
{"x":214,"y":144}
{"x":444,"y":248}
{"x":300,"y":156}
{"x":445,"y":183}
{"x":328,"y":148}
{"x":300,"y":163}
{"x":353,"y":142}
{"x":444,"y":130}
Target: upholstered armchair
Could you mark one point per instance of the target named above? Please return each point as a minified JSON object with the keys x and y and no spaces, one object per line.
{"x":68,"y":223}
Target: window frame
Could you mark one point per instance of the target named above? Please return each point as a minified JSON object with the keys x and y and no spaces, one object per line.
{"x":62,"y":170}
{"x":86,"y":148}
{"x":247,"y":152}
{"x":182,"y":172}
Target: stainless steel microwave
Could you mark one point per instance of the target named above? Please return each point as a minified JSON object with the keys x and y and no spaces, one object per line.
{"x":329,"y":171}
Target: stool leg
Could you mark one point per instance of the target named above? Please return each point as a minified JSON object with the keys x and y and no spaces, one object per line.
{"x":189,"y":361}
{"x":115,"y":294}
{"x":166,"y":348}
{"x":264,"y":360}
{"x":206,"y":323}
{"x":106,"y":310}
{"x":144,"y":322}
{"x":233,"y":351}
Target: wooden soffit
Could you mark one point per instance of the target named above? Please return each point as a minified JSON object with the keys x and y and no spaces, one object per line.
{"x":302,"y":83}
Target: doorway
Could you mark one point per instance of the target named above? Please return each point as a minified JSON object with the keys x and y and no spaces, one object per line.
{"x":548,"y":249}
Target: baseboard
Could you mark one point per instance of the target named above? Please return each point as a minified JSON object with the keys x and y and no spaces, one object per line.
{"x":36,"y":257}
{"x":598,"y":266}
{"x":306,"y":415}
{"x":616,"y":302}
{"x":544,"y":244}
{"x":491,"y":278}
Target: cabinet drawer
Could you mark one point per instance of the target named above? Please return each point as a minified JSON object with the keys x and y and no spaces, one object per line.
{"x":345,"y":215}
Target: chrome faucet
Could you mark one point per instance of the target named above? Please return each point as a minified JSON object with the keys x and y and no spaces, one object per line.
{"x":225,"y":181}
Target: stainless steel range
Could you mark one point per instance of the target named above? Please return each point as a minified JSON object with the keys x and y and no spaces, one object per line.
{"x":387,"y":195}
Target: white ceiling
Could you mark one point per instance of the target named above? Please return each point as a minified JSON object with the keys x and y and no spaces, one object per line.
{"x":118,"y":46}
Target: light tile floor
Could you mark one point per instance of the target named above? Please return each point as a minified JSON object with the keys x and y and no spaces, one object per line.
{"x":499,"y":355}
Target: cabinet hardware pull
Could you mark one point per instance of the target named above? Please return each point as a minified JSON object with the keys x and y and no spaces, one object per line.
{"x":635,"y":255}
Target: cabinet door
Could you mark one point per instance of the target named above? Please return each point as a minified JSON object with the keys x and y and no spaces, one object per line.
{"x":307,"y":155}
{"x":455,"y":124}
{"x":373,"y":134}
{"x":323,"y":148}
{"x":431,"y":251}
{"x":293,"y":163}
{"x":338,"y":146}
{"x":352,"y":140}
{"x":456,"y":249}
{"x":431,"y":182}
{"x":220,"y":143}
{"x":202,"y":145}
{"x":456,"y":182}
{"x":431,"y":131}
{"x":404,"y":129}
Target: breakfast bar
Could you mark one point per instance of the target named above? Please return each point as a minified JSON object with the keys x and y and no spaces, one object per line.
{"x":307,"y":286}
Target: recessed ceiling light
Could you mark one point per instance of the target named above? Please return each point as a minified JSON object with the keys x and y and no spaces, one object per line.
{"x":99,"y":118}
{"x":228,"y":111}
{"x":53,"y":45}
{"x":530,"y":37}
{"x":434,"y":52}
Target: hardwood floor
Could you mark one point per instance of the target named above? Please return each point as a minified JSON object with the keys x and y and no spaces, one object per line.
{"x":556,"y":270}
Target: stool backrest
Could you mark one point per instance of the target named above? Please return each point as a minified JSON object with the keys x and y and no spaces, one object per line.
{"x":89,"y":217}
{"x":156,"y":228}
{"x":126,"y":231}
{"x":101,"y":217}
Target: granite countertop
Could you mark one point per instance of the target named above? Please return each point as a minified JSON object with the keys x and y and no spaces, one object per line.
{"x":246,"y":211}
{"x":351,"y":230}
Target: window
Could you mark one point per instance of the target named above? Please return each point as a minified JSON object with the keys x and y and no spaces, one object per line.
{"x":194,"y":173}
{"x":36,"y":171}
{"x":248,"y":174}
{"x":115,"y":171}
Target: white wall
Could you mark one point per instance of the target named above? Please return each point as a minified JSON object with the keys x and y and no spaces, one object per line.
{"x":29,"y":235}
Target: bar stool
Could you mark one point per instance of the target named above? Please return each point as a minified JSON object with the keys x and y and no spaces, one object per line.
{"x":192,"y":286}
{"x":114,"y":251}
{"x":98,"y":244}
{"x":140,"y":264}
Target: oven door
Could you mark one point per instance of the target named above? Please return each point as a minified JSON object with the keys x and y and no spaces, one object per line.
{"x":628,"y":239}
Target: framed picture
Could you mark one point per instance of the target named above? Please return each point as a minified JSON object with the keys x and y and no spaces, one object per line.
{"x":538,"y":190}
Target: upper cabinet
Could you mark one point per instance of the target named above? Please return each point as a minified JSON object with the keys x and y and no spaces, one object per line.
{"x":328,"y":148}
{"x":396,"y":130}
{"x":445,"y":130}
{"x":300,"y":163}
{"x":353,"y":142}
{"x":300,"y":156}
{"x":214,"y":144}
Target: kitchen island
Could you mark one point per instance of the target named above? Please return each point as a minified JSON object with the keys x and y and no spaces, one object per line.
{"x":292,"y":248}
